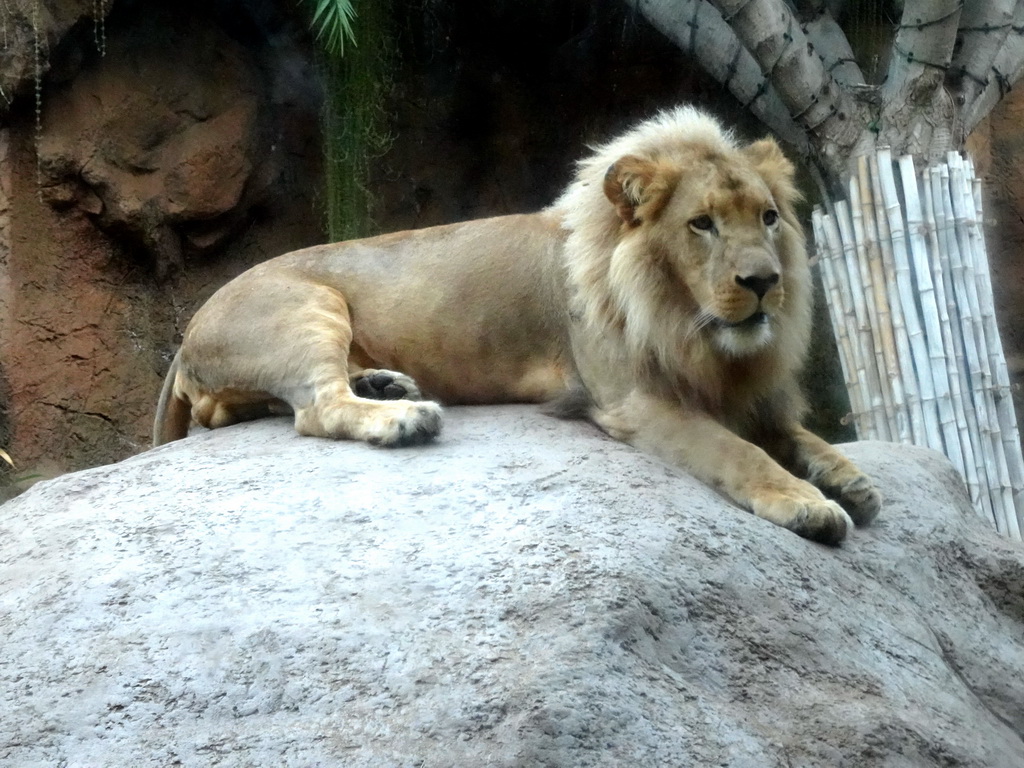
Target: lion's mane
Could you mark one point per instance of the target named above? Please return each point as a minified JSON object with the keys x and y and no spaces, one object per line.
{"x":624,"y":292}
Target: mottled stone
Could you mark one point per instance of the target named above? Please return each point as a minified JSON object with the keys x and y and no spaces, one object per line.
{"x":524,"y":592}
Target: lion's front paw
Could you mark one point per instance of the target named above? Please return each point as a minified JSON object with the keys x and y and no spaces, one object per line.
{"x":400,"y":424}
{"x":823,"y":521}
{"x":384,"y":385}
{"x":861,"y":499}
{"x":817,"y":519}
{"x":854,"y":491}
{"x":615,"y":423}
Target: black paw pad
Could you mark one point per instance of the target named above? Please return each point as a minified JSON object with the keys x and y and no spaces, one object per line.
{"x":379,"y":386}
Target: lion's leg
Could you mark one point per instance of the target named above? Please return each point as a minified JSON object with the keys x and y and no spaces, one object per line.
{"x":292,"y":353}
{"x":322,"y":397}
{"x":339,"y":413}
{"x":724,"y":460}
{"x":807,"y":455}
{"x":212,"y":413}
{"x":381,"y":384}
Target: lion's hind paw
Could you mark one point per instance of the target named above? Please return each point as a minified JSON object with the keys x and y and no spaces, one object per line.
{"x":375,"y":384}
{"x":418,"y":423}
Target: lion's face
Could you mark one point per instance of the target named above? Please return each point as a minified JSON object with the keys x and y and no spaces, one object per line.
{"x":712,"y":225}
{"x":719,"y":233}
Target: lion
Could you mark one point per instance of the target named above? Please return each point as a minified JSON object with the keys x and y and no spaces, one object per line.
{"x":666,"y":296}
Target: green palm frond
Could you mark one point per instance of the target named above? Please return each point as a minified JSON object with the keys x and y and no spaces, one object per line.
{"x":332,"y":23}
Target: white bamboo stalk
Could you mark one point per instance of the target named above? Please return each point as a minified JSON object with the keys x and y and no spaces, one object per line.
{"x":906,"y":325}
{"x":875,"y":365}
{"x":883,"y":315}
{"x":1004,"y":394}
{"x":968,"y":326}
{"x":841,"y":313}
{"x":999,"y":477}
{"x":1000,"y":373}
{"x":1000,"y":407}
{"x":935,"y":357}
{"x":857,"y":381}
{"x":833,"y":300}
{"x":909,"y":295}
{"x":868,"y":369}
{"x":865,"y":418}
{"x":949,"y":323}
{"x":975,"y":187}
{"x":958,"y":196}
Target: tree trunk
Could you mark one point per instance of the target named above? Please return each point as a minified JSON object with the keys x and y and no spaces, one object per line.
{"x":791,"y":64}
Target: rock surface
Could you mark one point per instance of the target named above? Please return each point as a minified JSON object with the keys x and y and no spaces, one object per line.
{"x":193,"y":139}
{"x":31,"y":30}
{"x":159,"y":140}
{"x":525,"y":592}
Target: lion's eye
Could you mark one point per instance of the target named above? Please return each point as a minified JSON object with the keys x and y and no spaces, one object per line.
{"x":703,"y":223}
{"x":770,"y":217}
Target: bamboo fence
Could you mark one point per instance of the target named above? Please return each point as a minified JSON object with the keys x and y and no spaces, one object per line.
{"x":909,"y":292}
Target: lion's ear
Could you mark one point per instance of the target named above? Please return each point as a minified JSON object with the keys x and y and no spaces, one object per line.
{"x":637,"y":188}
{"x":775,"y":168}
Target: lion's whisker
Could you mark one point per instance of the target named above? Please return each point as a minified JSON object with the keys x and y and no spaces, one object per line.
{"x":701,"y":320}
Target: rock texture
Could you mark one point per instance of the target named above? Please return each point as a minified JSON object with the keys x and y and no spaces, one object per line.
{"x":525,"y":592}
{"x":189,"y":149}
{"x":30,"y":32}
{"x":161,"y":150}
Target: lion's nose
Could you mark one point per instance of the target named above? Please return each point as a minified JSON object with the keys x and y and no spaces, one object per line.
{"x":759,"y":284}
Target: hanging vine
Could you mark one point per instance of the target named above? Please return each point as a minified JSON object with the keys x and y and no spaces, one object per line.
{"x":355,"y":62}
{"x":99,"y":25}
{"x":37,"y":73}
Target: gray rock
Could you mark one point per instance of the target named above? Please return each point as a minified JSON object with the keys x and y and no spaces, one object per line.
{"x":525,"y":592}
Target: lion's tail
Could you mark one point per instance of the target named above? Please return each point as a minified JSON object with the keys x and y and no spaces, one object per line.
{"x":173,"y":414}
{"x":574,"y":403}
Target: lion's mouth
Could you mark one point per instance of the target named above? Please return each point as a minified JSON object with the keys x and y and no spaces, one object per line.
{"x":756,"y":319}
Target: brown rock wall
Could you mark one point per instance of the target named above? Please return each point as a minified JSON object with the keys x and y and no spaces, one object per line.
{"x":31,"y":30}
{"x":160,"y":149}
{"x":76,"y":336}
{"x":163,"y":168}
